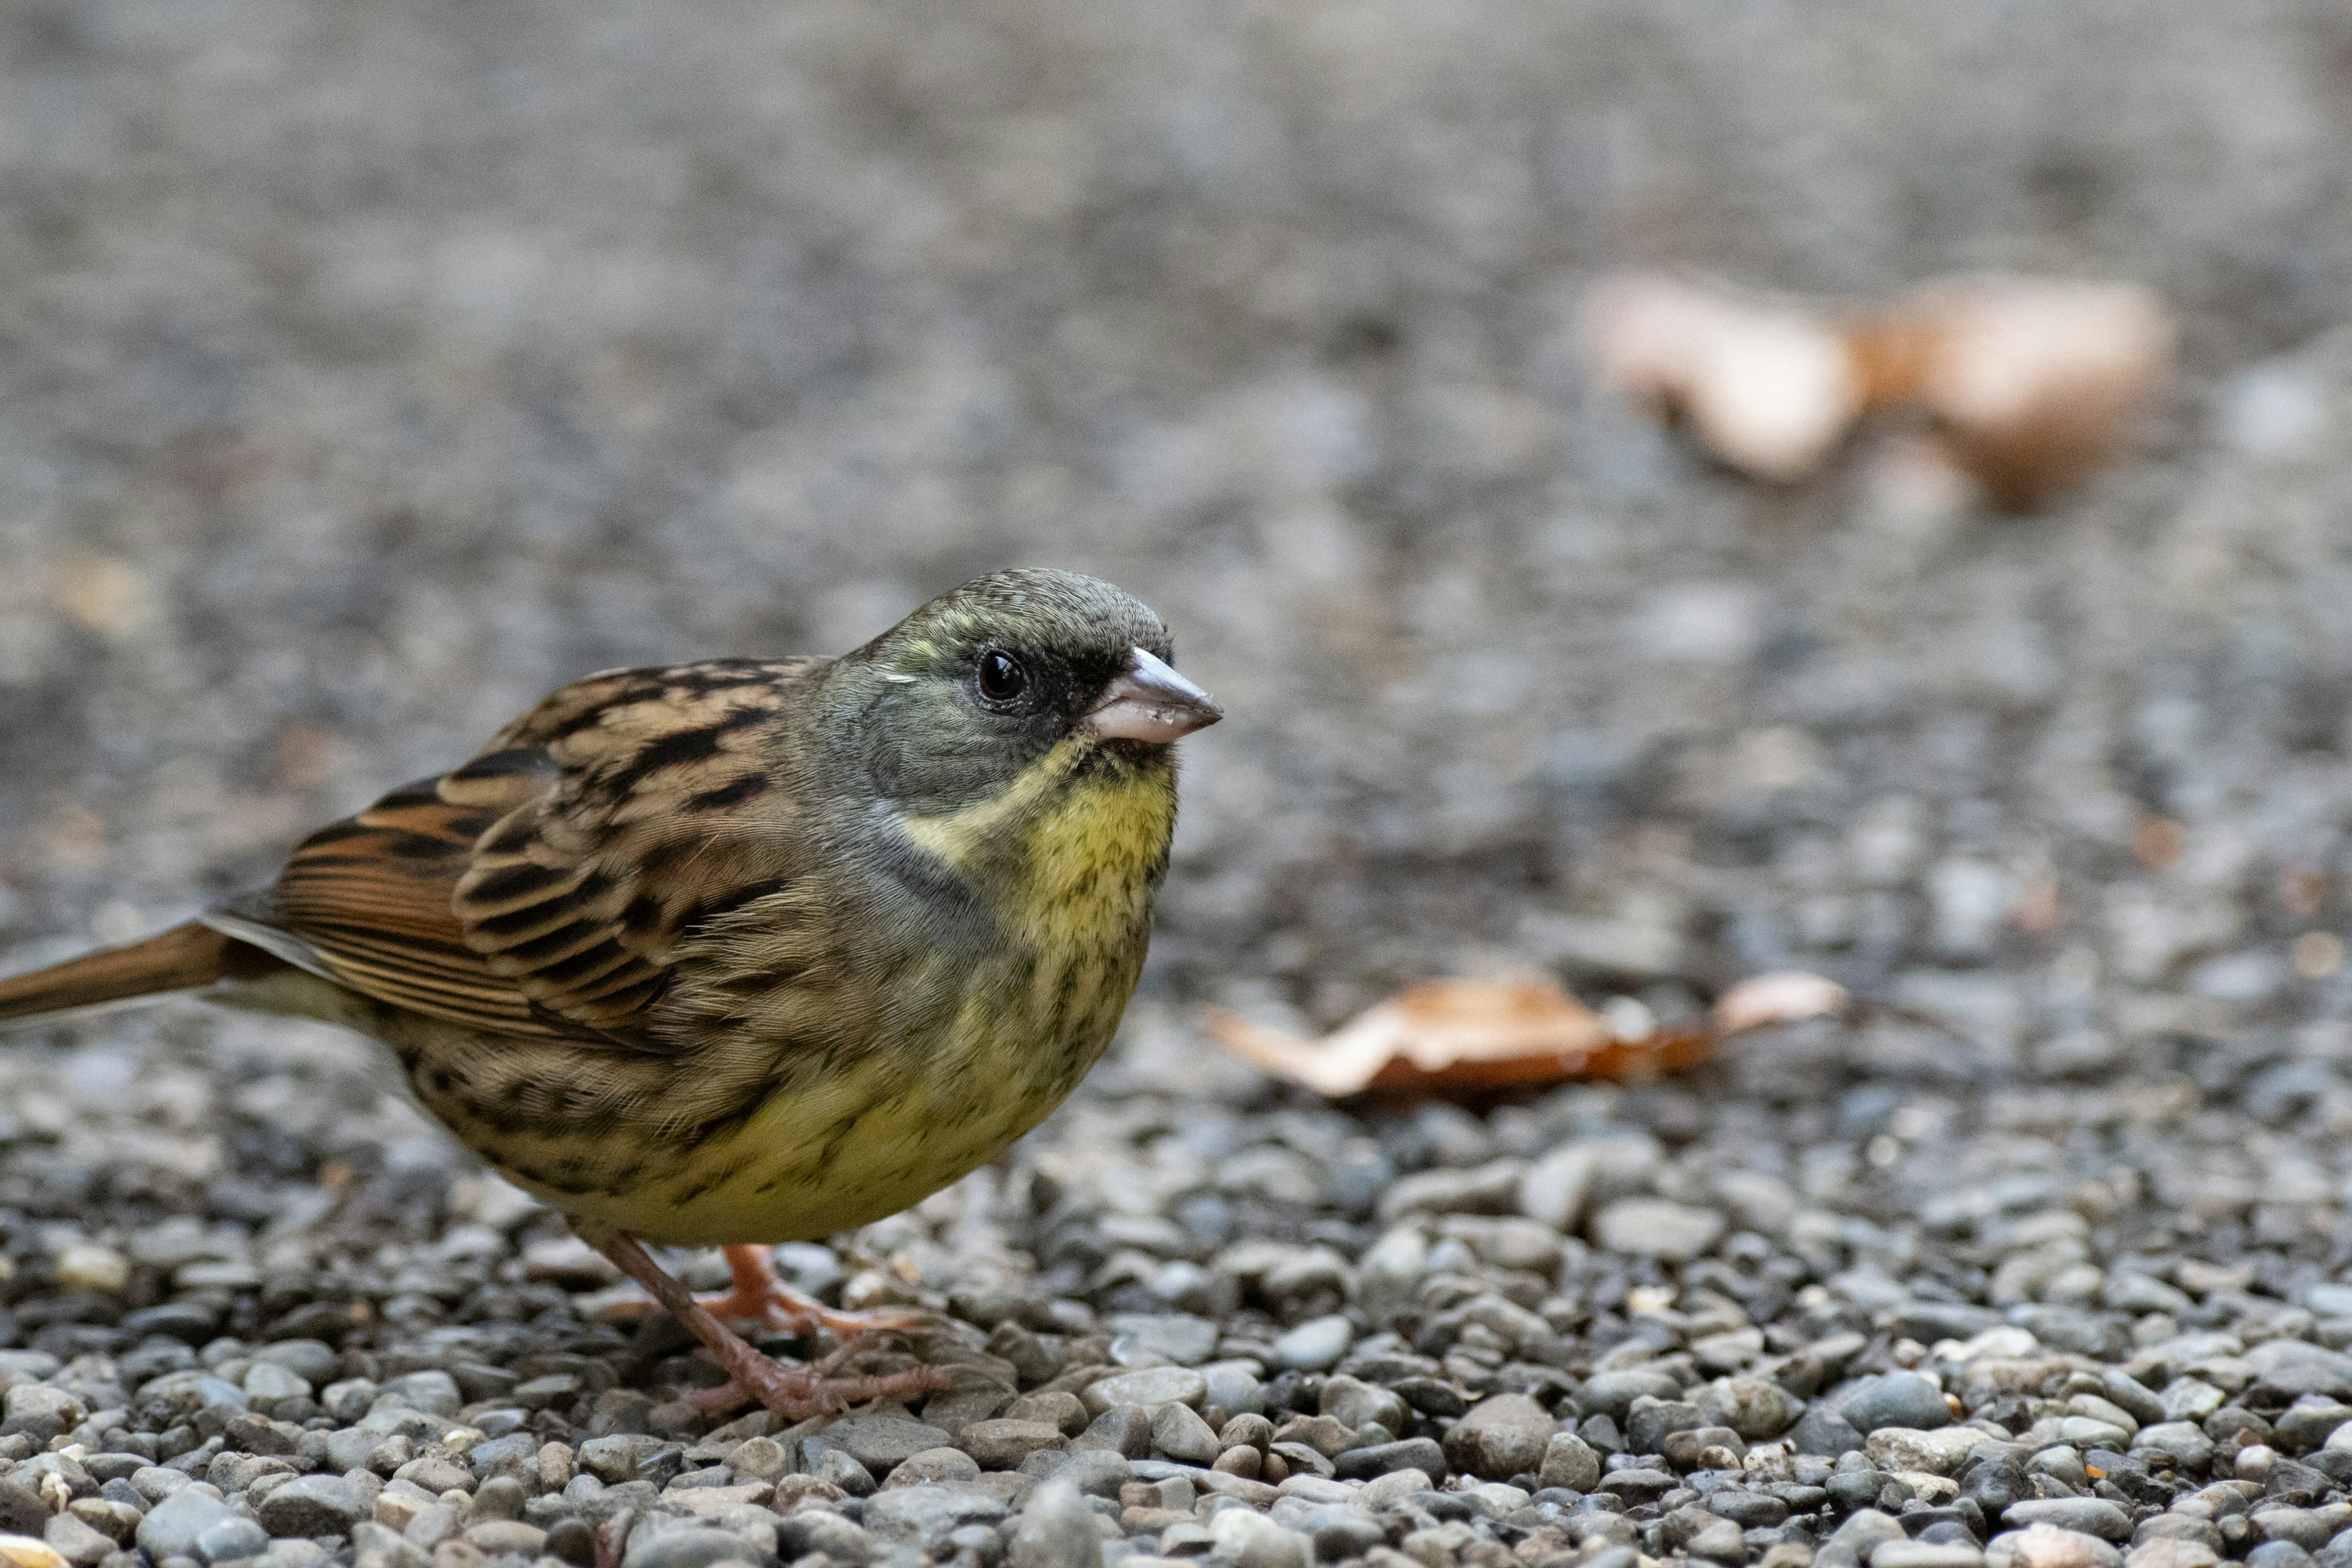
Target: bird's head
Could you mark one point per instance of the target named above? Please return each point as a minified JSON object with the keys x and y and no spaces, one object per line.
{"x":1016,"y":676}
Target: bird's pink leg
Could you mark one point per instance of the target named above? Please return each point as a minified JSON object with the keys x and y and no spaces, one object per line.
{"x":795,"y":1392}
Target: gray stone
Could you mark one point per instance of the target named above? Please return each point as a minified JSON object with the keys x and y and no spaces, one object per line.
{"x":2295,"y":1368}
{"x":1654,"y":1227}
{"x":22,"y":1508}
{"x":1865,"y":1532}
{"x":1233,"y":1389}
{"x":1182,"y":1338}
{"x":72,"y":1539}
{"x":1251,"y":1540}
{"x":1057,"y":1529}
{"x":933,"y":1467}
{"x":1755,"y":1408}
{"x":313,"y":1361}
{"x":502,"y":1497}
{"x":1938,"y":1453}
{"x":1003,"y":1443}
{"x":1651,"y":1421}
{"x":2306,"y":1527}
{"x":2047,"y":1546}
{"x":172,"y":1526}
{"x":230,"y":1539}
{"x":759,"y":1459}
{"x":821,"y":1529}
{"x":613,"y":1460}
{"x":1554,"y":1188}
{"x":1994,"y":1478}
{"x":1491,"y":1188}
{"x":1149,"y":1386}
{"x":1334,"y":1531}
{"x":879,"y":1442}
{"x":2170,"y":1527}
{"x":377,"y":1546}
{"x":687,"y":1546}
{"x":2278,"y":1554}
{"x":314,"y":1505}
{"x":431,"y":1391}
{"x":1063,"y":1411}
{"x":506,"y":1537}
{"x":1179,"y":1433}
{"x":1353,"y":1402}
{"x":1123,"y":1430}
{"x":1389,"y":1269}
{"x":2102,"y":1336}
{"x":1568,"y":1461}
{"x":924,"y":1517}
{"x":1316,"y":1344}
{"x":266,"y":1383}
{"x":2172,"y":1554}
{"x":1421,"y":1455}
{"x":1096,"y":1474}
{"x":40,"y":1411}
{"x":1501,"y":1437}
{"x":2184,"y":1442}
{"x":514,"y":1454}
{"x":1924,"y":1554}
{"x":1325,"y":1434}
{"x":1896,"y":1399}
{"x":2091,"y":1515}
{"x":1749,"y":1510}
{"x":1611,"y":1394}
{"x":843,"y":1471}
{"x":2190,"y":1399}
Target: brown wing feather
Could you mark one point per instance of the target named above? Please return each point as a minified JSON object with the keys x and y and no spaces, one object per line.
{"x":540,"y":889}
{"x":369,"y":897}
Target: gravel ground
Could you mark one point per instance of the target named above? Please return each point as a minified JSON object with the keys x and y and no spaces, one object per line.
{"x":365,"y":370}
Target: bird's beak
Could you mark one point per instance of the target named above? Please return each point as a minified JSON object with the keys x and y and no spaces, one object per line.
{"x":1146,"y":700}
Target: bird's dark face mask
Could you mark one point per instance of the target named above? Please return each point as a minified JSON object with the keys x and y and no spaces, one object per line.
{"x":971,"y":701}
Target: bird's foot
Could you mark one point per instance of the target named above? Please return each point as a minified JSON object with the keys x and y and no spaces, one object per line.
{"x":755,"y":1295}
{"x":795,"y":1392}
{"x":798,"y":1392}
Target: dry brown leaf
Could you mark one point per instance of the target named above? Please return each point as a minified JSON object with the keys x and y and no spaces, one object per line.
{"x":1459,"y":1034}
{"x":2032,"y":383}
{"x":1467,"y":1036}
{"x":1769,"y":388}
{"x":1782,"y":997}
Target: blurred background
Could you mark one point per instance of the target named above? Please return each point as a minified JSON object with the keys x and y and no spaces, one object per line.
{"x":366,"y":370}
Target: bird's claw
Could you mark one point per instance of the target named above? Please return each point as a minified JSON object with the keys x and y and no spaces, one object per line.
{"x":798,"y":1393}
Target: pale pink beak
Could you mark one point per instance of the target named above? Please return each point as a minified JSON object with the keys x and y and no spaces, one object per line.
{"x":1147,"y":700}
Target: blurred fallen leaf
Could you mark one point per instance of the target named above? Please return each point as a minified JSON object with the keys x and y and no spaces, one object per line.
{"x":1451,"y":1035}
{"x":1782,"y":997}
{"x":2031,"y":382}
{"x":1768,"y":387}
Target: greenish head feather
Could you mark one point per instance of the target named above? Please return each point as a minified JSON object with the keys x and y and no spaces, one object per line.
{"x":951,"y":708}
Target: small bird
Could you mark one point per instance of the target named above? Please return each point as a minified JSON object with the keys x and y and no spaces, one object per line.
{"x":747,"y":951}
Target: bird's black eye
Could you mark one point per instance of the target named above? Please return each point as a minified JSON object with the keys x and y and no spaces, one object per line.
{"x":1002,"y":679}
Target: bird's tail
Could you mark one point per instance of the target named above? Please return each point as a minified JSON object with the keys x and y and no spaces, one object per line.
{"x":184,"y":956}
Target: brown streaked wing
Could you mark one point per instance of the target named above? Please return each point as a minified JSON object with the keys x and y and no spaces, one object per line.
{"x":369,"y":897}
{"x":541,"y":887}
{"x":663,"y":812}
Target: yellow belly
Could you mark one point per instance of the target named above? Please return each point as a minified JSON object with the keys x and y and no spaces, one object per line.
{"x":860,"y":1147}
